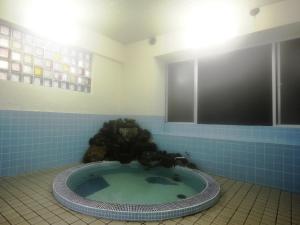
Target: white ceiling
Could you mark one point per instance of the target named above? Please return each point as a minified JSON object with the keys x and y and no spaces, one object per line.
{"x":125,"y":21}
{"x":132,"y":20}
{"x":128,"y":21}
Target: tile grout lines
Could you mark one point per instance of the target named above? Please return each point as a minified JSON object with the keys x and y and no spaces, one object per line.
{"x":253,"y":188}
{"x":27,"y":199}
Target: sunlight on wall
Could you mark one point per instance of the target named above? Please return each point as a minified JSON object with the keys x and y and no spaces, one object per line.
{"x":211,"y":23}
{"x":54,"y":19}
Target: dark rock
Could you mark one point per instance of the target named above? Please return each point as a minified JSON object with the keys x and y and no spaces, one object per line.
{"x":124,"y":140}
{"x":94,"y":154}
{"x":192,"y":166}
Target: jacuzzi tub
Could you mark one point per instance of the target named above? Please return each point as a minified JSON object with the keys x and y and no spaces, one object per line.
{"x":130,"y":192}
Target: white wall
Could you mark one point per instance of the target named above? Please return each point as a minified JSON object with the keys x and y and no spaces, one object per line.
{"x":107,"y":69}
{"x":104,"y":98}
{"x":130,"y":79}
{"x":143,"y":80}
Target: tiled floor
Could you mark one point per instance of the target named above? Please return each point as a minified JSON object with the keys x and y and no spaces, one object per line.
{"x":28,"y":199}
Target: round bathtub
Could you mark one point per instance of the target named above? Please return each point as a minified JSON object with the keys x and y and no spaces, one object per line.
{"x":130,"y":192}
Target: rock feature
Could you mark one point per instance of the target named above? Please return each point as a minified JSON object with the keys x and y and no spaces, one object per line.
{"x":94,"y":154}
{"x":124,"y":140}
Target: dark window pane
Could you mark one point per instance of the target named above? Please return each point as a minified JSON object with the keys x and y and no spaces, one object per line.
{"x":236,"y":88}
{"x":290,"y":81}
{"x":181,"y":92}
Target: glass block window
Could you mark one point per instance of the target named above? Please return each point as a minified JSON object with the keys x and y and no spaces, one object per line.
{"x":4,"y":42}
{"x":4,"y":53}
{"x":15,"y":56}
{"x":4,"y":30}
{"x":16,"y":67}
{"x":29,"y":59}
{"x":3,"y":75}
{"x":4,"y":65}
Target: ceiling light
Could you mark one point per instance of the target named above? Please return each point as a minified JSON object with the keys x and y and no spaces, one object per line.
{"x":211,"y":24}
{"x":54,"y":19}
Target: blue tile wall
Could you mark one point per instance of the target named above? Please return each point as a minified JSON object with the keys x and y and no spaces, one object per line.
{"x":35,"y":140}
{"x":263,"y":155}
{"x":273,"y":165}
{"x":258,"y":154}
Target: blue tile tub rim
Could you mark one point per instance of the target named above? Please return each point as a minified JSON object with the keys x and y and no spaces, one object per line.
{"x":134,"y":212}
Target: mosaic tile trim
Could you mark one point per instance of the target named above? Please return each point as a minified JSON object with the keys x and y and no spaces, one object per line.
{"x":134,"y":212}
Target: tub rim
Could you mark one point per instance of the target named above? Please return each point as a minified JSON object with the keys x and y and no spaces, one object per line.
{"x":134,"y":212}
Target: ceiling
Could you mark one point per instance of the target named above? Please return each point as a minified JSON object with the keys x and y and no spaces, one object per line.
{"x":129,"y":21}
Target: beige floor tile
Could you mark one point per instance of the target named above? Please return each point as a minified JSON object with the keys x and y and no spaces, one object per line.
{"x":53,"y":207}
{"x":58,"y":211}
{"x":79,"y":222}
{"x":152,"y":223}
{"x":85,"y":218}
{"x":27,"y":199}
{"x":54,"y":219}
{"x":47,"y":215}
{"x":60,"y":223}
{"x":201,"y":222}
{"x":168,"y":222}
{"x":30,"y":215}
{"x":5,"y":223}
{"x":117,"y":223}
{"x":2,"y":219}
{"x":35,"y":220}
{"x":23,"y":223}
{"x":43,"y":223}
{"x":177,"y":220}
{"x":68,"y":217}
{"x":97,"y":222}
{"x":192,"y":219}
{"x":104,"y":220}
{"x":16,"y":220}
{"x":186,"y":222}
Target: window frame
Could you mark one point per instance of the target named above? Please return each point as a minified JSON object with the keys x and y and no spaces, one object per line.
{"x":275,"y":79}
{"x":167,"y":91}
{"x":277,"y":97}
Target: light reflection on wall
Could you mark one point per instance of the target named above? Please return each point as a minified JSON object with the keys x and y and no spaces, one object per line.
{"x":54,"y":19}
{"x":211,"y":24}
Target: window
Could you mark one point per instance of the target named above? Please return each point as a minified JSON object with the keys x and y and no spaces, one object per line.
{"x":289,"y":88}
{"x":28,"y":59}
{"x":181,"y":92}
{"x":253,"y":86}
{"x":236,"y":88}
